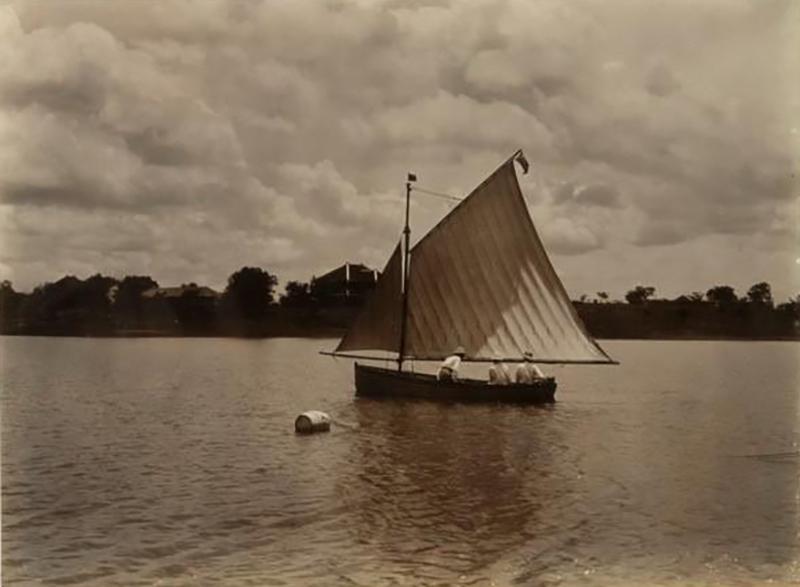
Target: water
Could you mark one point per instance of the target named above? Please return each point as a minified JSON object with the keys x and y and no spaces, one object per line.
{"x":174,"y":462}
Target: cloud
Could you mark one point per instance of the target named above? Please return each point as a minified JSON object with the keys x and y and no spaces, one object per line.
{"x":462,"y":121}
{"x":661,"y":81}
{"x":601,"y":195}
{"x":662,"y":233}
{"x":188,"y":137}
{"x":92,"y":123}
{"x":566,"y":237}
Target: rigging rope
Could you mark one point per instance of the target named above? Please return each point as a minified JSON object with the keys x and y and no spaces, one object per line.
{"x":437,"y":194}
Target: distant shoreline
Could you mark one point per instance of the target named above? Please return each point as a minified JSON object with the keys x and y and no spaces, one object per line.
{"x":198,"y":317}
{"x":339,"y":332}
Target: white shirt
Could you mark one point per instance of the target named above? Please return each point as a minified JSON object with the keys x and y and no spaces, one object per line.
{"x":451,"y":363}
{"x":528,"y":373}
{"x":498,"y":375}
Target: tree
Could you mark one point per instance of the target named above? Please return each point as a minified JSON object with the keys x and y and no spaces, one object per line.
{"x":130,"y":290}
{"x":128,"y":302}
{"x":693,"y":298}
{"x":298,"y":295}
{"x":71,"y":305}
{"x":640,"y":294}
{"x":696,"y":296}
{"x":791,"y":307}
{"x":96,"y":295}
{"x":7,"y":295}
{"x":760,"y":293}
{"x":250,"y":292}
{"x":721,"y":295}
{"x":195,"y":312}
{"x":10,"y":304}
{"x":603,"y":295}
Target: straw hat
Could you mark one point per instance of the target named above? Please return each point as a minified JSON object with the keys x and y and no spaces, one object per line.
{"x":460,"y":351}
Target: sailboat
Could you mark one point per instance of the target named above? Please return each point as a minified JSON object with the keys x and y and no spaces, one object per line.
{"x":479,"y":279}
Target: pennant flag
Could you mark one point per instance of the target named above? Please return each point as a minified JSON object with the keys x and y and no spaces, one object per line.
{"x":523,"y":162}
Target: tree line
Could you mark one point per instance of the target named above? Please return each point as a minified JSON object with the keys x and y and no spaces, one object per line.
{"x":759,"y":293}
{"x":718,"y":313}
{"x":135,"y":304}
{"x":250,"y":306}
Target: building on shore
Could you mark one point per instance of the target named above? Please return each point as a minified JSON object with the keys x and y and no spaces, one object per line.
{"x":347,"y":285}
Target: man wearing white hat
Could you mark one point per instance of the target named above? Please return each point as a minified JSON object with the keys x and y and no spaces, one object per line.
{"x":448,"y":370}
{"x":528,"y":372}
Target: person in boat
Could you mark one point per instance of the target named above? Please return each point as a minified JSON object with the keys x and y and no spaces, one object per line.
{"x":448,"y":370}
{"x":498,"y":374}
{"x":528,"y":371}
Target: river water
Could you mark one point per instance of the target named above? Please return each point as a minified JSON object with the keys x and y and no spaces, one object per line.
{"x":174,"y":462}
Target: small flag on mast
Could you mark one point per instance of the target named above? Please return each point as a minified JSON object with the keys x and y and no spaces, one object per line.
{"x":520,"y":158}
{"x":412,"y":177}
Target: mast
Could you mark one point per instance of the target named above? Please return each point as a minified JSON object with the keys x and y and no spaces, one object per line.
{"x":406,"y":256}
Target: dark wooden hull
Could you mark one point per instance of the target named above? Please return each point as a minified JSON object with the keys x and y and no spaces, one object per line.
{"x":389,"y":383}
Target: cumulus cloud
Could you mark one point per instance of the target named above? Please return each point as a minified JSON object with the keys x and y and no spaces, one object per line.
{"x":590,"y":195}
{"x":661,"y":81}
{"x":178,"y":137}
{"x":566,"y":237}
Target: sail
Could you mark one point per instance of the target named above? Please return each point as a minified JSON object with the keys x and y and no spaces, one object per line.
{"x":378,"y":325}
{"x":481,"y":279}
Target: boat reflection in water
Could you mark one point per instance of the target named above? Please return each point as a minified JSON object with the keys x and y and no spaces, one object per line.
{"x":445,"y":491}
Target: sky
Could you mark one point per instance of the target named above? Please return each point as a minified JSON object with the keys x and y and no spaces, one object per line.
{"x":184,"y":140}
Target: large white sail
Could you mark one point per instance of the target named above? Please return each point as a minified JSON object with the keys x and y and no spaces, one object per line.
{"x":480,"y":279}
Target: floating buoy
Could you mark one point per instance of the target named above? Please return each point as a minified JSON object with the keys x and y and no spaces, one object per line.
{"x":312,"y":421}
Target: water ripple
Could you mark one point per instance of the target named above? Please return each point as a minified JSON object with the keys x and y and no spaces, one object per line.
{"x":142,"y":462}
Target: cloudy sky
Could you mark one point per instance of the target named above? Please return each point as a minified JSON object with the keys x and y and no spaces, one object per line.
{"x":186,"y":139}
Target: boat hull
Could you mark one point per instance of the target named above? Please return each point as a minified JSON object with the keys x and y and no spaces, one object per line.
{"x":389,"y":383}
